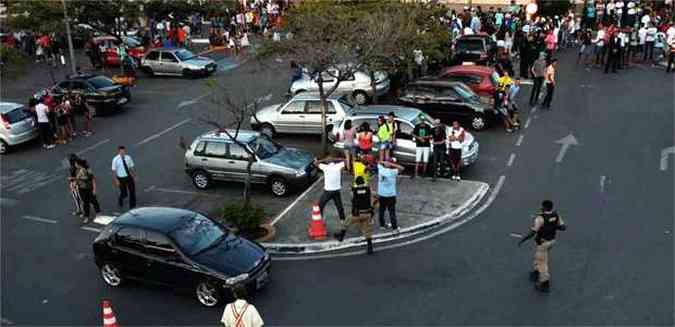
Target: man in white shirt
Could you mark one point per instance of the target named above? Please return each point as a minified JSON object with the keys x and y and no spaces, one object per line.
{"x":124,"y":176}
{"x":650,"y":38}
{"x":42,"y":111}
{"x":241,"y":313}
{"x":332,"y":184}
{"x":670,"y":40}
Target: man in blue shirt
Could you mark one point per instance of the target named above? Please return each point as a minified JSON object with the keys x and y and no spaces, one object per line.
{"x":386,"y":191}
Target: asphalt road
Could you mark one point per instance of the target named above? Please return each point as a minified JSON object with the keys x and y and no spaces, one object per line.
{"x":614,"y":265}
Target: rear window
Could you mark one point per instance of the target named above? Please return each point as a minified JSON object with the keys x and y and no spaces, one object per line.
{"x":469,"y":45}
{"x":16,"y":115}
{"x":101,"y":82}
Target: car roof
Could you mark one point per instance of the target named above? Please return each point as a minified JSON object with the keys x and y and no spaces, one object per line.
{"x":435,"y":82}
{"x":243,"y":136}
{"x":476,"y":69}
{"x":6,"y":107}
{"x":166,"y":49}
{"x":315,"y":96}
{"x":406,"y":113}
{"x":82,"y":76}
{"x":160,"y":219}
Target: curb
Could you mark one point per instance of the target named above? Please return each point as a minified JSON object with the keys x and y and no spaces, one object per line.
{"x":300,"y":249}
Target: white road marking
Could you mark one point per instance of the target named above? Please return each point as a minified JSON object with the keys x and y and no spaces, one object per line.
{"x":664,"y":157}
{"x":167,"y":190}
{"x":527,"y":122}
{"x":92,"y":147}
{"x":602,"y":183}
{"x":7,"y":202}
{"x":23,"y":180}
{"x":104,"y":220}
{"x":516,"y":235}
{"x":91,"y":229}
{"x":520,"y":140}
{"x":152,"y":137}
{"x":190,"y":102}
{"x":566,"y":142}
{"x":527,"y":82}
{"x":278,"y":217}
{"x":512,"y":158}
{"x":42,"y":220}
{"x":533,"y":110}
{"x":452,"y":226}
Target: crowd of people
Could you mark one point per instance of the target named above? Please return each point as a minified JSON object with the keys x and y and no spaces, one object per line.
{"x":58,"y":120}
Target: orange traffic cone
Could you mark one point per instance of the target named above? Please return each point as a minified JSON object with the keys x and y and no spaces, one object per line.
{"x":108,"y":315}
{"x":317,"y":228}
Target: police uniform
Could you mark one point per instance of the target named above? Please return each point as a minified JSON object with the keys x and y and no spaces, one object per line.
{"x":546,"y":224}
{"x":362,"y":215}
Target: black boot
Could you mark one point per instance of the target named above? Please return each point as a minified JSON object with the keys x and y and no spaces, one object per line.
{"x":534,"y":276}
{"x":543,"y":287}
{"x":340,"y":235}
{"x":369,"y":246}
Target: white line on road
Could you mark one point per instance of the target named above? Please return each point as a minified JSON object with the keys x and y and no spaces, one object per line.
{"x":602,"y":183}
{"x":42,"y":220}
{"x":520,"y":140}
{"x":664,"y":157}
{"x":527,"y":82}
{"x":192,"y":101}
{"x":512,"y":158}
{"x":516,"y":235}
{"x":277,"y":218}
{"x":6,"y":202}
{"x":527,"y":122}
{"x":452,"y":226}
{"x":91,"y":229}
{"x":167,"y":190}
{"x":533,"y":110}
{"x":92,"y":147}
{"x":104,"y":220}
{"x":152,"y":137}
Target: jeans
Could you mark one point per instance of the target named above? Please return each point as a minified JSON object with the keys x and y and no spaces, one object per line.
{"x":536,"y":90}
{"x":88,"y":197}
{"x":550,"y":87}
{"x":127,"y":187}
{"x":337,"y":198}
{"x":649,"y":51}
{"x":388,"y":203}
{"x":438,"y":158}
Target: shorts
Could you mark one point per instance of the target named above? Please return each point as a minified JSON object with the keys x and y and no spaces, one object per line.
{"x":386,"y":146}
{"x":455,"y":155}
{"x":422,"y":154}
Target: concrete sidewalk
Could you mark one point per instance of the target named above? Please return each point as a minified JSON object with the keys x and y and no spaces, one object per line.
{"x":421,"y":205}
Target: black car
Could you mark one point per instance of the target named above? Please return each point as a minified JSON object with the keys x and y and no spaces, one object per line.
{"x":447,"y":101}
{"x":479,"y":49}
{"x":184,"y":250}
{"x":97,"y":90}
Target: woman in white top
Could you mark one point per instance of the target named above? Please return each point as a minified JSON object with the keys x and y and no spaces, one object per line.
{"x":456,"y":138}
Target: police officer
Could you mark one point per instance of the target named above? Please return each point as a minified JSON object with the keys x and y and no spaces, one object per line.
{"x":362,"y":213}
{"x":545,"y":226}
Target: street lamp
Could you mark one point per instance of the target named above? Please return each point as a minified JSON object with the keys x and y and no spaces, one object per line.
{"x":70,"y":38}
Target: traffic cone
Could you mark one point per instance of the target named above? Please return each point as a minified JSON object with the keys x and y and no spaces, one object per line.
{"x":317,"y":227}
{"x":108,"y":315}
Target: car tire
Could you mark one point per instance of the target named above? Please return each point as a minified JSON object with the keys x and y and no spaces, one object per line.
{"x":360,"y":97}
{"x":267,"y":129}
{"x":478,"y":122}
{"x":201,"y":179}
{"x":188,"y":74}
{"x":279,"y":186}
{"x":4,"y":147}
{"x":111,"y":275}
{"x":207,"y":294}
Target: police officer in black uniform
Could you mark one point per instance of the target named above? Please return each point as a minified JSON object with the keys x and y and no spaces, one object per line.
{"x":544,"y":229}
{"x":362,"y":213}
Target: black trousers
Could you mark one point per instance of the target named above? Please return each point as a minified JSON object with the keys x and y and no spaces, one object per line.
{"x":649,"y":51}
{"x":536,"y":90}
{"x":89,"y":198}
{"x":438,"y":158}
{"x":337,"y":199}
{"x":388,"y":203}
{"x":549,"y":95}
{"x":671,"y":57}
{"x":613,"y":62}
{"x":46,"y":133}
{"x":127,"y":188}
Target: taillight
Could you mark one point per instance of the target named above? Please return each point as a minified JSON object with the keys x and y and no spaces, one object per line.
{"x":5,"y":122}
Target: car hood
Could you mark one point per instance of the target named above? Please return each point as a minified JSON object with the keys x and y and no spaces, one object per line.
{"x":109,"y":89}
{"x":233,"y":256}
{"x":199,"y":61}
{"x":291,"y":158}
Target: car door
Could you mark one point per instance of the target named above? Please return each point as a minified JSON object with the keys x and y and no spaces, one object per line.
{"x":313,"y":116}
{"x":405,"y":146}
{"x":166,"y":265}
{"x":127,"y":252}
{"x":236,"y":161}
{"x":152,"y":60}
{"x":212,"y":158}
{"x":169,"y":64}
{"x":291,"y":118}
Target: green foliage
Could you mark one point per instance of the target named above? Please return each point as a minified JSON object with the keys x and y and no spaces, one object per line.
{"x":39,"y":15}
{"x":243,"y":217}
{"x":14,"y":61}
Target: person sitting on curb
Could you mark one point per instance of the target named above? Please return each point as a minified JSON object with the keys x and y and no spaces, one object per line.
{"x":362,"y":213}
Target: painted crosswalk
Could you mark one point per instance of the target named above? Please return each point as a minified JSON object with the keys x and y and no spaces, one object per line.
{"x":22,"y":181}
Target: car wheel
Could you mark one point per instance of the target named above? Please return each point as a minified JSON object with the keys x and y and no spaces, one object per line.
{"x":3,"y":147}
{"x":201,"y":180}
{"x":279,"y":186}
{"x":267,"y":129}
{"x":478,"y":122}
{"x":207,"y":294}
{"x":111,"y":275}
{"x":360,"y":97}
{"x":188,"y":73}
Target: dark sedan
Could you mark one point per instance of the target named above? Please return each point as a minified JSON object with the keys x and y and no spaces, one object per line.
{"x":98,"y":91}
{"x":447,"y":101}
{"x":181,"y":249}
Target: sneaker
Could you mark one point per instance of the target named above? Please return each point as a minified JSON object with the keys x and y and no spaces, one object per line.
{"x":77,"y":213}
{"x":85,"y":221}
{"x":458,"y":178}
{"x":396,"y":230}
{"x":51,"y":146}
{"x":508,"y":130}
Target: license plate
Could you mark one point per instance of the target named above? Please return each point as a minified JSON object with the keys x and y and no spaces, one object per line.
{"x":262,"y":279}
{"x":122,"y":101}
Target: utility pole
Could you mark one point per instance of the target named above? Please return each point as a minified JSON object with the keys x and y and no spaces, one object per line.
{"x":70,"y":38}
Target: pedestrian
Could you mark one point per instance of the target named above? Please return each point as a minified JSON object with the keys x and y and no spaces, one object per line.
{"x":364,"y":139}
{"x":124,"y":177}
{"x":393,"y":128}
{"x":456,"y":139}
{"x":538,"y":71}
{"x":613,"y":53}
{"x":422,"y":134}
{"x":86,"y":185}
{"x":599,"y":42}
{"x":384,"y":135}
{"x":241,"y":313}
{"x":72,"y":184}
{"x":670,"y":37}
{"x":348,"y":141}
{"x":362,"y":213}
{"x":544,"y":229}
{"x":513,"y":108}
{"x":550,"y":82}
{"x":650,"y":38}
{"x":439,"y":140}
{"x":42,"y":113}
{"x":386,"y":191}
{"x":503,"y":86}
{"x":296,"y":74}
{"x":332,"y":184}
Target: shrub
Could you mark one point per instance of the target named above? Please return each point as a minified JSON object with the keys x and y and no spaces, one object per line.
{"x":244,"y":218}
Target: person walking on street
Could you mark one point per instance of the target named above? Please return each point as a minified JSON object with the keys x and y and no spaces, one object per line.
{"x":86,"y":184}
{"x":72,"y":184}
{"x":650,"y":39}
{"x":362,"y":213}
{"x":124,"y":177}
{"x":670,"y":40}
{"x":513,"y":106}
{"x":440,"y":147}
{"x":332,"y":184}
{"x":544,"y":229}
{"x":386,"y":191}
{"x":384,"y":135}
{"x":45,"y":128}
{"x":422,"y":135}
{"x":613,"y":53}
{"x":241,"y":313}
{"x":456,"y":139}
{"x":538,"y":71}
{"x":550,"y":83}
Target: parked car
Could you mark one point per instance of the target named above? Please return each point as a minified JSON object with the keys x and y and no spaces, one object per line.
{"x":300,"y":115}
{"x":99,"y":91}
{"x":447,"y":101}
{"x":18,"y":125}
{"x":181,"y":249}
{"x":358,"y":85}
{"x":214,"y":156}
{"x":406,"y":119}
{"x":479,"y":49}
{"x":109,"y":44}
{"x":177,"y":62}
{"x":481,"y":79}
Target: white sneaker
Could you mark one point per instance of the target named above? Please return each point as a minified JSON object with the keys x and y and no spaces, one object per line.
{"x":459,"y":178}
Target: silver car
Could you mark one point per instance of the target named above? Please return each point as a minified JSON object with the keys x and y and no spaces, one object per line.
{"x":406,"y":119}
{"x":358,"y":86}
{"x":177,"y":62}
{"x":18,"y":125}
{"x":300,"y":115}
{"x":215,"y":156}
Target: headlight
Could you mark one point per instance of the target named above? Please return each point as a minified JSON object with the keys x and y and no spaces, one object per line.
{"x":236,"y":279}
{"x":299,"y":173}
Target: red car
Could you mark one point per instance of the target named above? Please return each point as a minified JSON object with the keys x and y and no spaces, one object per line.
{"x":481,"y":79}
{"x":109,"y":44}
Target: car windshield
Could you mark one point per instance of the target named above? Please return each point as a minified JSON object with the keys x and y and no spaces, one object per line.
{"x":469,"y":45}
{"x":101,"y":81}
{"x":197,"y":234}
{"x":184,"y":55}
{"x":16,"y":115}
{"x":345,"y":104}
{"x":264,"y":147}
{"x":464,"y":91}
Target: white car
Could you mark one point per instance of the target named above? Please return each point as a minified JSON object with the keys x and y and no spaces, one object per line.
{"x":358,"y":86}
